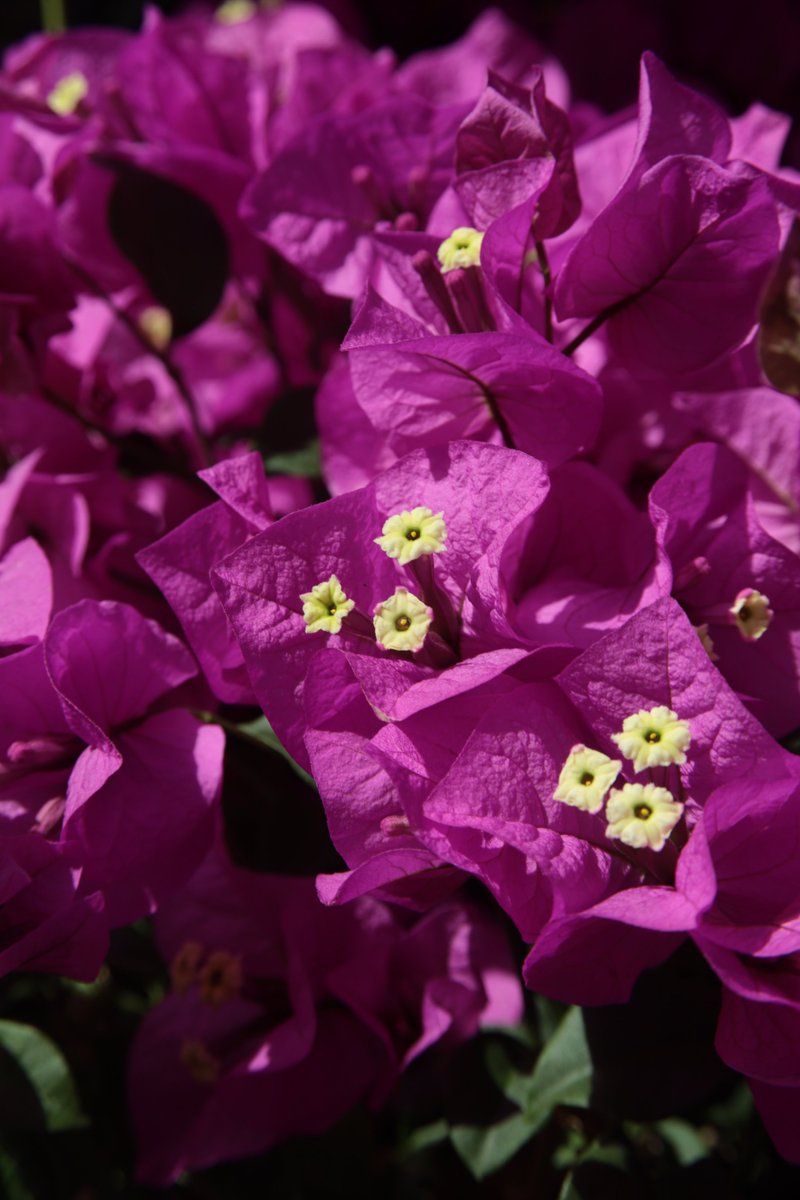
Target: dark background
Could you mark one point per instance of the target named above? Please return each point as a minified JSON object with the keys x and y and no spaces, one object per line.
{"x":738,"y":51}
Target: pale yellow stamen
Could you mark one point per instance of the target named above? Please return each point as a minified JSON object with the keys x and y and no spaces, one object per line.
{"x":155,"y":323}
{"x":654,"y":737}
{"x":325,"y":607}
{"x":409,"y":534}
{"x":461,"y":249}
{"x":184,"y":966}
{"x":67,"y":94}
{"x":585,"y":778}
{"x":402,"y":621}
{"x":642,"y":815}
{"x":233,"y":12}
{"x":751,"y":614}
{"x":221,"y":978}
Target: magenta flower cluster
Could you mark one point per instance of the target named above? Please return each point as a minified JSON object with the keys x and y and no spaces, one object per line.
{"x":545,"y":633}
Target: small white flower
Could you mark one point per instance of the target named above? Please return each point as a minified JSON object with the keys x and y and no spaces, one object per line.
{"x":654,"y":737}
{"x":461,"y":249}
{"x":751,"y":614}
{"x":402,"y":621}
{"x":585,"y":778}
{"x":325,"y":606}
{"x":642,"y":815}
{"x":410,"y":534}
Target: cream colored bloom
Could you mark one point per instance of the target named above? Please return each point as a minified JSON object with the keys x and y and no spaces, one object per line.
{"x":155,"y":323}
{"x":402,"y":621}
{"x":68,"y":93}
{"x":751,"y":614}
{"x":585,"y":778}
{"x":410,"y":534}
{"x":325,"y":606}
{"x":461,"y":249}
{"x":654,"y":737}
{"x":642,"y":815}
{"x":233,"y":12}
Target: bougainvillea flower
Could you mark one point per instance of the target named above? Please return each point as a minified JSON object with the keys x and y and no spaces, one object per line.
{"x":34,"y":282}
{"x":45,"y":925}
{"x":73,"y":75}
{"x":95,"y":758}
{"x":494,"y":813}
{"x":722,"y":561}
{"x":180,"y":563}
{"x":277,"y":999}
{"x":261,"y":584}
{"x":762,"y":426}
{"x":717,"y":237}
{"x":26,"y":594}
{"x":576,"y":579}
{"x":491,"y":386}
{"x":321,"y":197}
{"x":735,"y":894}
{"x":511,"y":125}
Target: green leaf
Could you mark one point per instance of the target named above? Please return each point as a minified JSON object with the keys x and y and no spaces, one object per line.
{"x":486,"y":1149}
{"x":683,"y":1139}
{"x":735,"y":1110}
{"x":563,"y":1071}
{"x":12,"y":1183}
{"x":562,"y":1075}
{"x":47,"y":1071}
{"x":575,"y":1151}
{"x":511,"y":1082}
{"x":305,"y":461}
{"x":569,"y":1153}
{"x":53,"y":16}
{"x":548,"y":1015}
{"x":423,"y":1137}
{"x":568,"y":1189}
{"x":612,"y":1154}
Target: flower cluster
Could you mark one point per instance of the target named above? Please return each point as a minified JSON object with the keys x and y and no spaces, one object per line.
{"x":544,"y":632}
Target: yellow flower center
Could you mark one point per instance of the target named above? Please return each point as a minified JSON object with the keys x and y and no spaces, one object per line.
{"x":408,"y":535}
{"x":461,"y":249}
{"x":585,"y":778}
{"x":325,"y":607}
{"x":402,"y":621}
{"x":642,"y":815}
{"x":654,"y":737}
